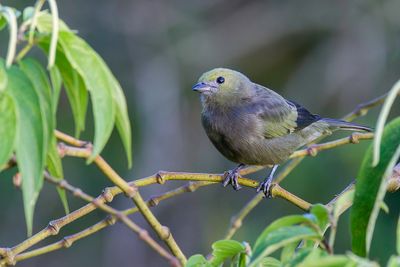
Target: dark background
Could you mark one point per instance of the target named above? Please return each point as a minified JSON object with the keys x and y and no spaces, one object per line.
{"x":327,"y":55}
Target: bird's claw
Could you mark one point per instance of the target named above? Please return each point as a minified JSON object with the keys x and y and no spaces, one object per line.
{"x":266,"y":187}
{"x":231,"y":177}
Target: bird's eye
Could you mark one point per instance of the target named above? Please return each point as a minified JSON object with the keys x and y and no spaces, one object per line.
{"x":220,"y":79}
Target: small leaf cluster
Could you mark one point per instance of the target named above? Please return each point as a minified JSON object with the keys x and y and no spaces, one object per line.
{"x":297,"y":237}
{"x":29,"y":96}
{"x":298,"y":240}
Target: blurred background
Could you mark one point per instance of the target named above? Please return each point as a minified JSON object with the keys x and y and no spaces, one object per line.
{"x":327,"y":55}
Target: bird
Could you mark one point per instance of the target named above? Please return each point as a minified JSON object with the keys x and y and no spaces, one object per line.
{"x":252,"y":125}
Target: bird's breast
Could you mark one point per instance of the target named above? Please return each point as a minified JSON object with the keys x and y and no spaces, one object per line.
{"x":235,"y":135}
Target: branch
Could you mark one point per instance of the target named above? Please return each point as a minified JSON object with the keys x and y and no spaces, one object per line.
{"x":110,"y":220}
{"x":363,"y":108}
{"x":68,"y":241}
{"x":160,"y":177}
{"x":132,"y":192}
{"x":11,"y":163}
{"x":313,"y":150}
{"x":237,"y":220}
{"x":296,"y":157}
{"x":143,"y":234}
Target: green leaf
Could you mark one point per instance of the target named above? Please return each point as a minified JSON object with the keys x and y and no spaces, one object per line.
{"x":38,"y":77}
{"x":394,"y":261}
{"x":299,"y":256}
{"x":384,"y":207}
{"x":3,"y":76}
{"x":344,"y":201}
{"x":76,"y":92}
{"x":197,"y":261}
{"x":285,"y":221}
{"x":8,"y":122}
{"x":244,"y":256}
{"x":269,"y":262}
{"x":45,"y":23}
{"x":94,"y":73}
{"x":10,"y":14}
{"x":56,"y":82}
{"x":371,"y":188}
{"x":288,"y":251}
{"x":83,"y":58}
{"x":3,"y":22}
{"x":54,"y":166}
{"x":380,"y":125}
{"x":281,"y":237}
{"x":225,"y":249}
{"x":122,"y":119}
{"x":29,"y":139}
{"x":321,"y":213}
{"x":28,"y":13}
{"x":318,"y":258}
{"x":398,"y":237}
{"x":360,"y":261}
{"x":73,"y":84}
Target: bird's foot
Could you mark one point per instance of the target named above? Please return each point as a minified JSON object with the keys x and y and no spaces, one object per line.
{"x":231,"y":177}
{"x":266,"y":187}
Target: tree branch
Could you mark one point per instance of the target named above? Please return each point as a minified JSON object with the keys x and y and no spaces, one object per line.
{"x":313,"y":150}
{"x":237,"y":220}
{"x":132,"y":192}
{"x":68,"y":241}
{"x":130,"y":189}
{"x":143,"y":234}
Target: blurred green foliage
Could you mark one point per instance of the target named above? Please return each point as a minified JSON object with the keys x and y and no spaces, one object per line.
{"x":328,"y":56}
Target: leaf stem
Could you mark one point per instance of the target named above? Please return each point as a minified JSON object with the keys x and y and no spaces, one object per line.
{"x":38,"y":6}
{"x":54,"y":33}
{"x":13,"y":30}
{"x":23,"y":52}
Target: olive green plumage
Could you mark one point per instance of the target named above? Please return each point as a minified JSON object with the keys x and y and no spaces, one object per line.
{"x":251,"y":124}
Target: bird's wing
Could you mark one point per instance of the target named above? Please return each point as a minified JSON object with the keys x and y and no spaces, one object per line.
{"x":280,"y":116}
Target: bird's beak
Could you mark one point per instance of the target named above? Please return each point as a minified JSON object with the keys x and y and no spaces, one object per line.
{"x":202,"y":87}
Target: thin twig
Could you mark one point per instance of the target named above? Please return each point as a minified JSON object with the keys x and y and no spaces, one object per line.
{"x":132,"y":192}
{"x":69,"y":139}
{"x":68,"y":241}
{"x":143,"y":234}
{"x":237,"y":220}
{"x":314,"y":149}
{"x":363,"y":108}
{"x":23,"y":52}
{"x":160,"y":177}
{"x":11,"y":163}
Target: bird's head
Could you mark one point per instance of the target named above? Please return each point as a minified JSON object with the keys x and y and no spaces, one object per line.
{"x":223,"y":86}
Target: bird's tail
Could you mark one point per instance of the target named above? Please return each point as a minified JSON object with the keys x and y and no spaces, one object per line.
{"x":341,"y":124}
